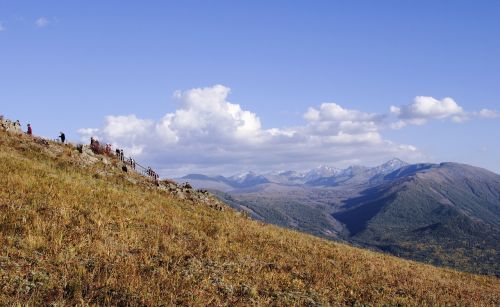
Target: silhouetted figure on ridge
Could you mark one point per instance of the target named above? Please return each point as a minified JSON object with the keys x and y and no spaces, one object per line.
{"x":30,"y":131}
{"x":62,"y":137}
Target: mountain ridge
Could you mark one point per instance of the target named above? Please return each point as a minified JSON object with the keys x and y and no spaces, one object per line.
{"x":448,"y":205}
{"x":320,"y":176}
{"x":413,"y":211}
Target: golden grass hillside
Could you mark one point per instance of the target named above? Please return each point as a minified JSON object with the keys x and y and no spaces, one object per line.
{"x":70,"y":235}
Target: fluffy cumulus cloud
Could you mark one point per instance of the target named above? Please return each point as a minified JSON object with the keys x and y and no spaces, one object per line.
{"x":333,"y":122}
{"x":127,"y":128}
{"x":206,"y":115}
{"x":208,"y":133}
{"x":426,"y":108}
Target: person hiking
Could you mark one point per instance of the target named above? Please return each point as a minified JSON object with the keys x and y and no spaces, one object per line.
{"x":30,"y":131}
{"x":122,"y":157}
{"x":95,"y":147}
{"x":62,"y":137}
{"x":117,"y":152}
{"x":108,"y":149}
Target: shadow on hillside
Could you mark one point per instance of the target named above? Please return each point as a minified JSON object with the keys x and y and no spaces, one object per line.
{"x":360,"y":210}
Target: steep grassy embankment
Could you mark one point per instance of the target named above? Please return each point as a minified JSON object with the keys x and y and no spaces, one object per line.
{"x":71,"y":235}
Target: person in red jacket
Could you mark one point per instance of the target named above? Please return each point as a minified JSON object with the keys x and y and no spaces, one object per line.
{"x":30,"y":131}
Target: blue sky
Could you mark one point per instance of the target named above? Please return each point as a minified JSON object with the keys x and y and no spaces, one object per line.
{"x":118,"y":67}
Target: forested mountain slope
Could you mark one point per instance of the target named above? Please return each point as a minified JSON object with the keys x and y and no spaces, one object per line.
{"x":446,"y":213}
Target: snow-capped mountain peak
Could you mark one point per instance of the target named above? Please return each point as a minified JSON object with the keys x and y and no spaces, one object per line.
{"x":320,"y":176}
{"x":322,"y":171}
{"x":390,"y":166}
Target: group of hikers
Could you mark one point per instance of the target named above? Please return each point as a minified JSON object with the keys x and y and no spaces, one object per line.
{"x":29,"y":130}
{"x":119,"y":154}
{"x":152,"y":174}
{"x":16,"y":126}
{"x":95,"y":146}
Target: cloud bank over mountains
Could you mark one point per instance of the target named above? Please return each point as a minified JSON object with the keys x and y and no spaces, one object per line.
{"x":209,"y":134}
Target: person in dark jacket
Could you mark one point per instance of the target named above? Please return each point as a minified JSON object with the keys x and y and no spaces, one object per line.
{"x":62,"y":137}
{"x":30,"y":131}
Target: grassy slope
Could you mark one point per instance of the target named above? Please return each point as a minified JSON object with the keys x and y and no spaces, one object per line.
{"x":70,"y":236}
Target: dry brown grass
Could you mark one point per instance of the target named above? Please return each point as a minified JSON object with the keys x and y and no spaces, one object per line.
{"x":70,"y":236}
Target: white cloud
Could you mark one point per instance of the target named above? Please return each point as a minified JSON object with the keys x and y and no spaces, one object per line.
{"x":426,"y":108}
{"x":486,"y":113}
{"x":408,"y":147}
{"x":334,"y":112}
{"x":332,"y":123}
{"x":41,"y":22}
{"x":87,"y":133}
{"x":205,"y":114}
{"x":127,"y":132}
{"x":126,"y":127}
{"x":133,"y":151}
{"x":209,"y":133}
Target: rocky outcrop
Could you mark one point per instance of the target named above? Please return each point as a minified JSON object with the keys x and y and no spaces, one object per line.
{"x":185,"y":191}
{"x":10,"y":126}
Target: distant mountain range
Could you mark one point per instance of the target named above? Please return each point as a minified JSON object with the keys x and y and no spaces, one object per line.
{"x":323,"y":176}
{"x":446,"y":214}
